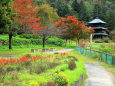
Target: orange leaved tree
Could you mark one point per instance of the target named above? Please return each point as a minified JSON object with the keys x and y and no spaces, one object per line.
{"x":73,"y":28}
{"x":25,"y":17}
{"x":27,"y":14}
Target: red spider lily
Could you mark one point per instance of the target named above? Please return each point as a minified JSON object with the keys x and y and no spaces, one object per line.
{"x":24,"y":58}
{"x":33,"y":58}
{"x":49,"y":56}
{"x":13,"y":61}
{"x":39,"y":56}
{"x":4,"y":61}
{"x":64,"y":53}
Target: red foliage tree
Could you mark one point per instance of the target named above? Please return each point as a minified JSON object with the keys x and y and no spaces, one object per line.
{"x":73,"y":28}
{"x":27,"y":14}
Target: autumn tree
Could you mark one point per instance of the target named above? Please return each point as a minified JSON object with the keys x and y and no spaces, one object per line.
{"x":20,"y":14}
{"x":27,"y":14}
{"x":48,"y":16}
{"x":72,"y":27}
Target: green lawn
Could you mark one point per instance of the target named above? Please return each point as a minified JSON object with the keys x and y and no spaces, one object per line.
{"x":23,"y":50}
{"x":104,"y":47}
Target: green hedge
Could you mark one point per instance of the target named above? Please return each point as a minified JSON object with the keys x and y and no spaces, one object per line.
{"x":29,"y":39}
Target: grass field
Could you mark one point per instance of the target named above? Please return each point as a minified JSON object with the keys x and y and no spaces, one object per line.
{"x":104,"y":47}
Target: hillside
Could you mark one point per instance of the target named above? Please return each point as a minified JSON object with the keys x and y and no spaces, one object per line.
{"x":86,"y":10}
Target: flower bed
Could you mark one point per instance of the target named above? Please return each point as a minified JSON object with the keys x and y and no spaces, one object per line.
{"x":57,"y":69}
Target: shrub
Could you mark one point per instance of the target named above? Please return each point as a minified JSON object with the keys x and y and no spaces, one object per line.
{"x":28,"y":36}
{"x":106,"y":40}
{"x":98,"y":41}
{"x":60,"y":79}
{"x":72,"y":65}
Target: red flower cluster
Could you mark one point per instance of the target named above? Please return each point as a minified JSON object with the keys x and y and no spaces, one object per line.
{"x":63,"y":53}
{"x":5,"y":61}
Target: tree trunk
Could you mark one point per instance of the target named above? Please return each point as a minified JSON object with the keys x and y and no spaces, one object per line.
{"x":10,"y":40}
{"x":77,"y":43}
{"x":43,"y":41}
{"x":66,"y":42}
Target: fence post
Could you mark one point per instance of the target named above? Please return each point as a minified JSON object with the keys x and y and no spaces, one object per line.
{"x":113,"y":59}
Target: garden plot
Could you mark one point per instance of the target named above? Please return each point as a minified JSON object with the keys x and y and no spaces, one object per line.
{"x":41,"y":70}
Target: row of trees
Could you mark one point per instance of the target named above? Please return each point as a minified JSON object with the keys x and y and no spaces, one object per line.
{"x":18,"y":14}
{"x":86,"y":10}
{"x":24,"y":15}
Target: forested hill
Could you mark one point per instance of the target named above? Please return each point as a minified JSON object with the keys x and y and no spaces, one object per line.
{"x":86,"y":10}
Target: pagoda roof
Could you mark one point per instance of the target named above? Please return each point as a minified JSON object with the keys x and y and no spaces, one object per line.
{"x":97,"y":20}
{"x":100,"y":28}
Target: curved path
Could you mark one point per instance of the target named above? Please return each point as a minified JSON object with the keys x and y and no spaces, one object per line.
{"x":8,"y":55}
{"x":98,"y":76}
{"x":60,"y":51}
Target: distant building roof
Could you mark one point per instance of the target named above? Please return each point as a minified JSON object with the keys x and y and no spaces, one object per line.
{"x":100,"y":28}
{"x":97,"y":20}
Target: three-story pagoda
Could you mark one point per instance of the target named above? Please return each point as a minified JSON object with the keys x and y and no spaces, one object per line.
{"x":99,"y":31}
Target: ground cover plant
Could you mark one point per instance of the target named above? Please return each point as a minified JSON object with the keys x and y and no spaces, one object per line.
{"x":29,"y":39}
{"x":41,"y":70}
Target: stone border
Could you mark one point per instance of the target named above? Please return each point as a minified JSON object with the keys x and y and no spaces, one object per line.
{"x":79,"y":82}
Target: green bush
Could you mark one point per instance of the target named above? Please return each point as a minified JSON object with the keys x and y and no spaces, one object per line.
{"x":28,"y":36}
{"x":98,"y":41}
{"x":106,"y":40}
{"x":72,"y":65}
{"x":60,"y":79}
{"x":27,"y":39}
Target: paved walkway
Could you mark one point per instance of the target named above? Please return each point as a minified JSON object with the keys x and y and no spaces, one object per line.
{"x":60,"y":51}
{"x":98,"y":76}
{"x":8,"y":55}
